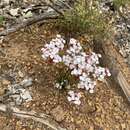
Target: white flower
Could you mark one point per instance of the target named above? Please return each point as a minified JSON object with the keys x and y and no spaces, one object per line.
{"x":91,"y":91}
{"x":100,"y":73}
{"x":82,"y":78}
{"x":74,"y":97}
{"x":107,"y":72}
{"x":83,"y":66}
{"x":57,"y":85}
{"x":57,"y":59}
{"x":58,"y":36}
{"x":73,"y":41}
{"x":52,"y":49}
{"x":71,"y":92}
{"x":77,"y":102}
{"x":76,"y":72}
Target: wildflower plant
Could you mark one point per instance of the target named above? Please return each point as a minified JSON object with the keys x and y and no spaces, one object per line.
{"x":84,"y":17}
{"x":76,"y":63}
{"x":1,"y":19}
{"x":120,"y":3}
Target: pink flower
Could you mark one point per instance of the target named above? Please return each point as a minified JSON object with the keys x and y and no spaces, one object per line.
{"x":74,"y":97}
{"x":85,"y":67}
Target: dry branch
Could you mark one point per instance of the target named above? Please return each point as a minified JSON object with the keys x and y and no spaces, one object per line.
{"x":38,"y":117}
{"x":58,"y":10}
{"x":30,"y":21}
{"x":115,"y":62}
{"x":52,"y":6}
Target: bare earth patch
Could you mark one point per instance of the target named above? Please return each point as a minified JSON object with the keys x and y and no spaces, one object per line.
{"x":106,"y":109}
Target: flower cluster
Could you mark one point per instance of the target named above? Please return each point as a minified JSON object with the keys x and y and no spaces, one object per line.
{"x":52,"y":49}
{"x":74,"y":97}
{"x":101,"y":72}
{"x":83,"y":66}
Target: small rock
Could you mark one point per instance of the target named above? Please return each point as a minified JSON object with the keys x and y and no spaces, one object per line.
{"x":123,"y":53}
{"x":20,"y":74}
{"x":2,"y":91}
{"x":26,"y":96}
{"x":38,"y":129}
{"x":28,"y":14}
{"x":14,"y":12}
{"x":6,"y":1}
{"x":5,"y":82}
{"x":96,"y":127}
{"x":123,"y":126}
{"x":58,"y":113}
{"x":71,"y":127}
{"x":1,"y":39}
{"x":27,"y":82}
{"x":91,"y":128}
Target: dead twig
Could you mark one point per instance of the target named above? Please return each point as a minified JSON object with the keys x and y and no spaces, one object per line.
{"x":45,"y":16}
{"x":64,"y":3}
{"x":30,"y":21}
{"x":38,"y":117}
{"x":52,"y":6}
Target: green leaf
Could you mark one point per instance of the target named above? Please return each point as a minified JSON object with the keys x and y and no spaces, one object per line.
{"x":1,"y":19}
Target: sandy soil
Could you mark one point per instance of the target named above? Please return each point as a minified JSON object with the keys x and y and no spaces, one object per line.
{"x":20,"y":55}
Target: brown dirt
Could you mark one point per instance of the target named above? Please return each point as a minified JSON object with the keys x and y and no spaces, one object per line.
{"x":106,"y":109}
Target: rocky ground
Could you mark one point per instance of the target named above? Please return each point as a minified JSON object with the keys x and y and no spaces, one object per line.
{"x":123,"y":33}
{"x":15,"y":12}
{"x":121,"y":26}
{"x":20,"y":59}
{"x":106,"y":109}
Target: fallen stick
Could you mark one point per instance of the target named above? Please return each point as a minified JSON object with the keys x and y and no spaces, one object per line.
{"x":115,"y":62}
{"x":30,"y":21}
{"x":53,"y":7}
{"x":45,"y":16}
{"x":38,"y":117}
